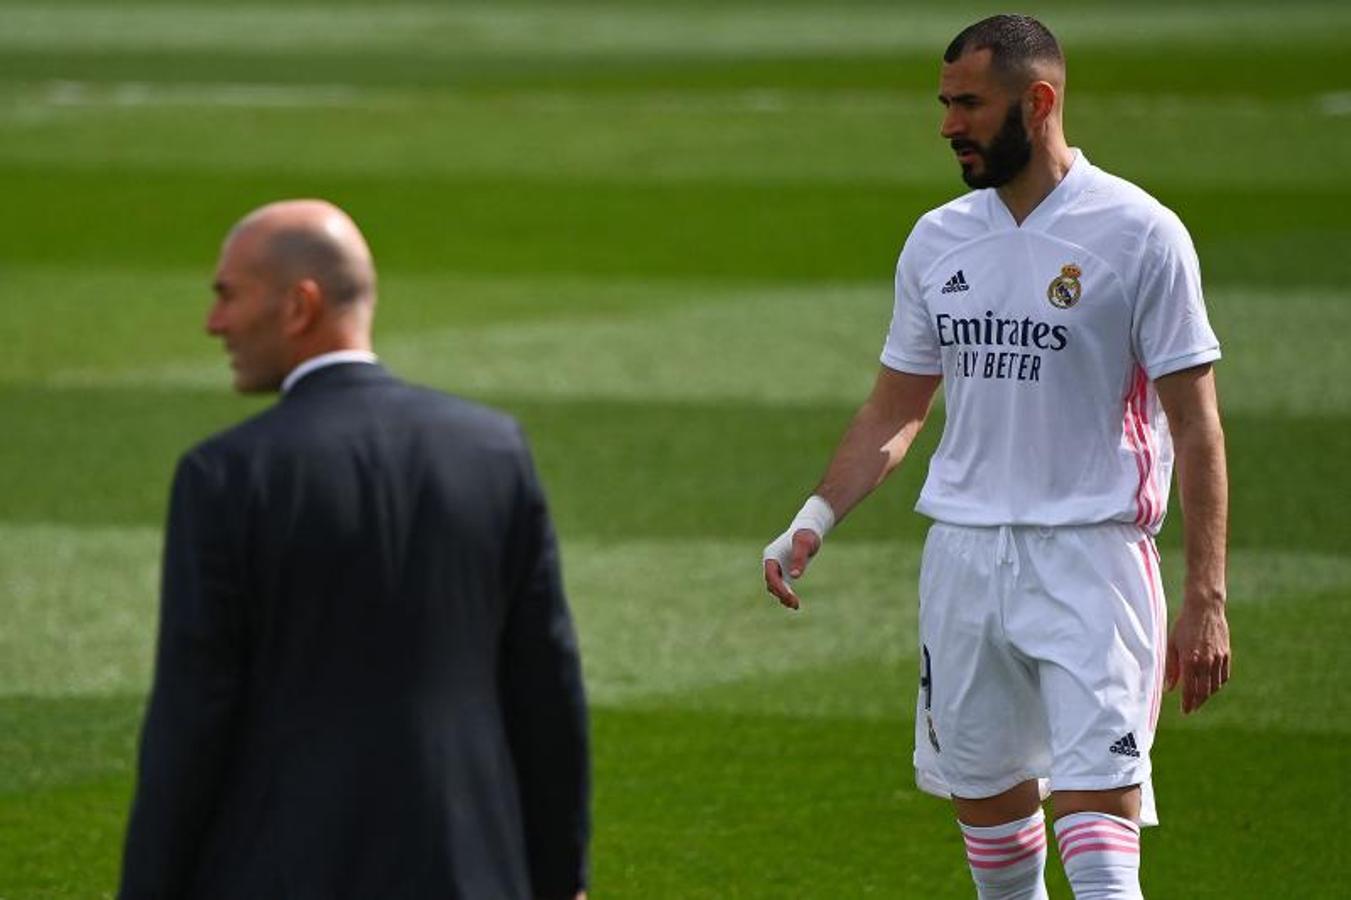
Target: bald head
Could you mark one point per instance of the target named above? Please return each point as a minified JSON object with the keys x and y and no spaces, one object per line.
{"x":295,"y":280}
{"x":294,"y":240}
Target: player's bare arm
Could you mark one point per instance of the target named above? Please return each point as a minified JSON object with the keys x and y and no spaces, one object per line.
{"x":1199,"y":656}
{"x":872,"y":447}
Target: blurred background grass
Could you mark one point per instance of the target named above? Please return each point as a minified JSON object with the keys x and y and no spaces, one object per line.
{"x":662,"y":234}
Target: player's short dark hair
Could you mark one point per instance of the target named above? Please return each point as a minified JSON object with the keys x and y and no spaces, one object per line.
{"x":1016,"y":44}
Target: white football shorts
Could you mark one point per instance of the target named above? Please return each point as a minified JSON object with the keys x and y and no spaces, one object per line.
{"x":1041,"y":657}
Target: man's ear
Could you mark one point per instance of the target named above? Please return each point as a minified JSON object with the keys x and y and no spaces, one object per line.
{"x":304,"y":306}
{"x":1039,"y":103}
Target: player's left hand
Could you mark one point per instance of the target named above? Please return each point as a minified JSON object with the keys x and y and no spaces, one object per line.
{"x":785,"y":559}
{"x":1198,"y":654}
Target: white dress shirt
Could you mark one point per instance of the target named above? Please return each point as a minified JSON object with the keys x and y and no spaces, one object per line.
{"x":326,"y":359}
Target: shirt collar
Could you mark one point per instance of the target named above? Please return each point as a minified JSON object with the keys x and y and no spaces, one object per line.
{"x":1053,"y":203}
{"x":324,"y":360}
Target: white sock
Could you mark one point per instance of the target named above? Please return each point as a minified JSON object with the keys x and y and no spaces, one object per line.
{"x":1007,"y":860}
{"x":1101,"y":855}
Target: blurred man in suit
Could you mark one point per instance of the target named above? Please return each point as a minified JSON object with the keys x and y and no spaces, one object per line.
{"x":367,"y":682}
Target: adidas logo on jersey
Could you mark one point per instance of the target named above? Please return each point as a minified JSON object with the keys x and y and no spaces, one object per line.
{"x":956,"y":283}
{"x":1126,"y":746}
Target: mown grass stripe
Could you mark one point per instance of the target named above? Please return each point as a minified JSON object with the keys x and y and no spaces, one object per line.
{"x":596,"y":29}
{"x":720,"y":470}
{"x":631,"y":228}
{"x":629,"y":341}
{"x":713,"y":799}
{"x":666,"y":622}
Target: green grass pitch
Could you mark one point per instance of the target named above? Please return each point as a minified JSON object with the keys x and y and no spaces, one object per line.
{"x":662,"y":234}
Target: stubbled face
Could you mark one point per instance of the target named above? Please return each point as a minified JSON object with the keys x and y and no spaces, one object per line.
{"x":983,"y":122}
{"x":247,"y":317}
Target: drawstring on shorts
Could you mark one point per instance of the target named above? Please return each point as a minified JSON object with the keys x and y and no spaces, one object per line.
{"x":1006,"y":551}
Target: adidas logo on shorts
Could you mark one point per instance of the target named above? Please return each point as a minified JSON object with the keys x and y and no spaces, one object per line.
{"x":956,"y":283}
{"x":1126,"y":746}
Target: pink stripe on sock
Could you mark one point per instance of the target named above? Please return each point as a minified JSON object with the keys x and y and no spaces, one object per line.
{"x":1040,"y":827}
{"x":1096,"y":823}
{"x":1005,"y":863}
{"x":1002,"y":851}
{"x":1097,"y":827}
{"x":1067,"y":855}
{"x":1089,"y":836}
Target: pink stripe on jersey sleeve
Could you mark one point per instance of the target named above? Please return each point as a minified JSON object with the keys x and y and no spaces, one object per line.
{"x":1152,"y":452}
{"x":1134,"y":438}
{"x":1136,"y":417}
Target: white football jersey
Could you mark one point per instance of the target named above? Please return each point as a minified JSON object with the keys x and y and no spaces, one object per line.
{"x":1048,"y":336}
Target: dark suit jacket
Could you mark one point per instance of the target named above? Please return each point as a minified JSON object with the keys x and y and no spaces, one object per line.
{"x":367,"y":683}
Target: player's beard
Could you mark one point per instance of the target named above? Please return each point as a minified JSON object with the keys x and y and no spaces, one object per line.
{"x":1007,"y":154}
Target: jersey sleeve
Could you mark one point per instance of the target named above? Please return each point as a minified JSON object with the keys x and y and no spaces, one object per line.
{"x":911,"y":345}
{"x":1170,"y":330}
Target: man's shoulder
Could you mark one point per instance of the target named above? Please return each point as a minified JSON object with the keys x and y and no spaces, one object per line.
{"x":961,"y":219}
{"x":227,"y":452}
{"x":454,"y":410}
{"x":1124,"y":202}
{"x":401,"y":406}
{"x":236,"y":437}
{"x":966,"y":213}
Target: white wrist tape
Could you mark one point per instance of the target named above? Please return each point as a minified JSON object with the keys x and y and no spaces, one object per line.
{"x":815,"y":515}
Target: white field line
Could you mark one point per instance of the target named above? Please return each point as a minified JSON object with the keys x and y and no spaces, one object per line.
{"x":73,"y":94}
{"x":1337,"y":103}
{"x":251,"y":96}
{"x":617,"y":356}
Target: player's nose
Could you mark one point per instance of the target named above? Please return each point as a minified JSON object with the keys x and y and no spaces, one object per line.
{"x":215,"y":321}
{"x":952,"y":126}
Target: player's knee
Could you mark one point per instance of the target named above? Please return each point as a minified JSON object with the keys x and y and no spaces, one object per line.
{"x":1018,"y":802}
{"x":1123,"y":802}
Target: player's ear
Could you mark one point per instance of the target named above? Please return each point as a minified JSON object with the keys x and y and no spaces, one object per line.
{"x":1038,"y":103}
{"x":303,"y":306}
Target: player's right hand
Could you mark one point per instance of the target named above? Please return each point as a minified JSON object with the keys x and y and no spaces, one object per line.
{"x":789,"y":553}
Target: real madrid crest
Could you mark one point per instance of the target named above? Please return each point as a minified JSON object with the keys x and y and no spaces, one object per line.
{"x":1064,"y":291}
